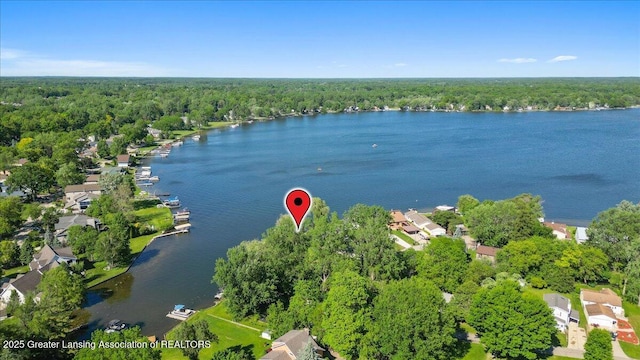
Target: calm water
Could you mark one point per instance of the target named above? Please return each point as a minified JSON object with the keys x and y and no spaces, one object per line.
{"x":233,"y":180}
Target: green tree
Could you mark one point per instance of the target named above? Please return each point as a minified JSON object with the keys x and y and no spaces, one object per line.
{"x":30,"y":178}
{"x":308,"y":352}
{"x":512,"y":325}
{"x":466,"y":203}
{"x":194,"y":331}
{"x":445,"y":263}
{"x":68,"y":174}
{"x":447,"y":219}
{"x":9,"y":254}
{"x":232,"y":354}
{"x":126,"y":335}
{"x":10,"y":215}
{"x":598,"y":345}
{"x":82,"y":240}
{"x":463,"y":298}
{"x":118,"y":146}
{"x":613,"y":230}
{"x":26,"y":252}
{"x":103,"y":149}
{"x":113,"y":244}
{"x":410,"y":321}
{"x":347,"y":310}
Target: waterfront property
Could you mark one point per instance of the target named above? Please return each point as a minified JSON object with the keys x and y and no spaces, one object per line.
{"x":290,"y":345}
{"x":124,"y":161}
{"x":65,"y":222}
{"x":581,"y":235}
{"x":559,"y":230}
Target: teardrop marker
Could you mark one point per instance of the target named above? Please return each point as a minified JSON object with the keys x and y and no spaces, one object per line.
{"x":297,"y":202}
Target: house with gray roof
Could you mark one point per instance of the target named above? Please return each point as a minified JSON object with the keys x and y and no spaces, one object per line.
{"x":290,"y":345}
{"x":562,"y":312}
{"x":22,"y":284}
{"x":65,"y":222}
{"x":49,"y":258}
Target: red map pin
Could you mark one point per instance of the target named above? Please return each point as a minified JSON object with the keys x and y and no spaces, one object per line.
{"x":298,"y":202}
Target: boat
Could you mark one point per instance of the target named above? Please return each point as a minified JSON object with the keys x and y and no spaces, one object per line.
{"x":115,"y":325}
{"x":180,"y":312}
{"x":250,"y":122}
{"x":177,"y":143}
{"x":183,"y":227}
{"x":196,"y":137}
{"x":374,"y":146}
{"x":145,"y":184}
{"x":235,"y":126}
{"x":184,"y":211}
{"x":164,"y":154}
{"x":154,"y":178}
{"x":219,"y":295}
{"x":147,"y":168}
{"x":180,"y":218}
{"x":172,"y":203}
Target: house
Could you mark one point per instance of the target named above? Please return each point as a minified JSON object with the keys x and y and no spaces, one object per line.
{"x":425,"y":223}
{"x":154,"y":132}
{"x":486,"y":252}
{"x":559,"y":230}
{"x":600,"y":316}
{"x":71,"y":191}
{"x":22,"y":284}
{"x":434,"y":229}
{"x":581,"y":235}
{"x":92,"y":179}
{"x":410,"y":229}
{"x":80,"y":202}
{"x":290,"y":345}
{"x":562,"y":312}
{"x":397,"y":220}
{"x":418,"y":219}
{"x":123,"y":161}
{"x":49,"y":258}
{"x":65,"y":222}
{"x":605,"y":297}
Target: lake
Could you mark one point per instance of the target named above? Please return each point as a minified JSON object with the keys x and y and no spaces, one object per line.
{"x":234,"y":181}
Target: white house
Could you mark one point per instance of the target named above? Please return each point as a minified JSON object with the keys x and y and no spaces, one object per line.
{"x":559,"y":230}
{"x":123,"y":161}
{"x":600,"y":316}
{"x":425,"y":223}
{"x":581,"y":235}
{"x":22,"y":285}
{"x":562,"y":312}
{"x":605,"y":297}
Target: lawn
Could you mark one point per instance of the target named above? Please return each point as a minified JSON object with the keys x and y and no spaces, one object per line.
{"x":159,"y":218}
{"x":403,"y":236}
{"x":632,"y":312}
{"x":16,"y":270}
{"x":476,"y":352}
{"x":229,"y":335}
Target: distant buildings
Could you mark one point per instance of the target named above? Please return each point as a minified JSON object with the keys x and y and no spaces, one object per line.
{"x":559,"y":230}
{"x":486,"y":252}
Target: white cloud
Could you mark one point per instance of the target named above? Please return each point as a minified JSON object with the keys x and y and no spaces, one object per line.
{"x":9,"y":54}
{"x":562,"y":58}
{"x":518,"y":60}
{"x":20,"y":63}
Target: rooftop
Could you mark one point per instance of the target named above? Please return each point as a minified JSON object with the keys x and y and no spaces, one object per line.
{"x":558,"y":301}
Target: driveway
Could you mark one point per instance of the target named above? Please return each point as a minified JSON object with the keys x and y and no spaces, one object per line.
{"x":577,"y":336}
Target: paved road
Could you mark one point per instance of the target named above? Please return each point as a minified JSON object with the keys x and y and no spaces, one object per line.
{"x":401,"y":242}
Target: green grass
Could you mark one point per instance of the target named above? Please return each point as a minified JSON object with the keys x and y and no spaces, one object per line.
{"x":632,"y":351}
{"x":160,"y":218}
{"x":218,"y":124}
{"x":476,"y":352}
{"x":403,"y":236}
{"x":632,"y":311}
{"x":16,"y":270}
{"x":229,"y":334}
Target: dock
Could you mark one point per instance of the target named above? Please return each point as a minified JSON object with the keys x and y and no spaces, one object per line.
{"x":183,"y":228}
{"x":180,"y":312}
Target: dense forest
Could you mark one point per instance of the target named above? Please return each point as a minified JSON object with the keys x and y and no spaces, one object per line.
{"x":102,"y":106}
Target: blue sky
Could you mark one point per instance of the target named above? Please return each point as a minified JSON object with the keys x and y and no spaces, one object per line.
{"x":320,"y":39}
